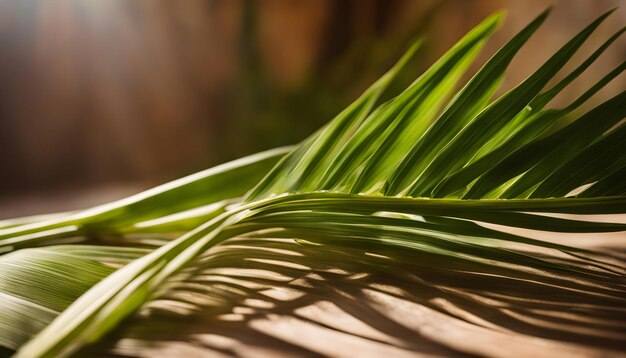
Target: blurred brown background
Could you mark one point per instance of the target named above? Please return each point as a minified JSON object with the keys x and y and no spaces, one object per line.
{"x":127,"y":94}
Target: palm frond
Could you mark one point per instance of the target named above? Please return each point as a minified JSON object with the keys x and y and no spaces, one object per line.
{"x":211,"y":190}
{"x":35,"y":286}
{"x":436,"y":202}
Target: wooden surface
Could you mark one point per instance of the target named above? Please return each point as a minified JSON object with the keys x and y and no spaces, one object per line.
{"x":281,"y":298}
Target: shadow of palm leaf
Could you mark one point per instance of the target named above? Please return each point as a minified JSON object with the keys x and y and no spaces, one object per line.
{"x":254,"y":296}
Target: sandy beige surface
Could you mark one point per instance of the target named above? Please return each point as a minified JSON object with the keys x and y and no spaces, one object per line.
{"x":272,"y":298}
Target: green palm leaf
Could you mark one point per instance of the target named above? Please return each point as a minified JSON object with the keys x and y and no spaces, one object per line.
{"x":351,"y":217}
{"x":211,"y":189}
